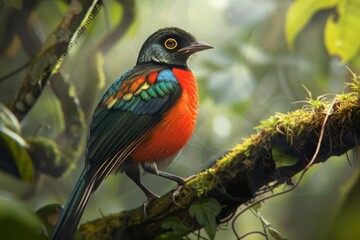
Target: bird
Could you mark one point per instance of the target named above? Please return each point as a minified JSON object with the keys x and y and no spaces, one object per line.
{"x":143,"y":120}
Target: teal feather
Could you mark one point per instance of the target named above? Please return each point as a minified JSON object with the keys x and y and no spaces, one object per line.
{"x":119,"y":104}
{"x":145,"y":96}
{"x":134,"y":103}
{"x":152,"y":93}
{"x":163,"y":87}
{"x":170,"y":86}
{"x":159,"y":91}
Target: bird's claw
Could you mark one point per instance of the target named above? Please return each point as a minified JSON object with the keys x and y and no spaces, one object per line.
{"x":147,"y":202}
{"x":179,"y":188}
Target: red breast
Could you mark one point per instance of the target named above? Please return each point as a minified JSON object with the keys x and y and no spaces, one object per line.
{"x":171,"y":134}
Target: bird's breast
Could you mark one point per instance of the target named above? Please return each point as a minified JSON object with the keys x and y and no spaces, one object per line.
{"x":171,"y":134}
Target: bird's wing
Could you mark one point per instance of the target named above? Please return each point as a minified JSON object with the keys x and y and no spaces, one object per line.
{"x":130,"y":108}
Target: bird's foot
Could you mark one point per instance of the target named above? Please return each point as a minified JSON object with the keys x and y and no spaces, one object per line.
{"x":179,"y":188}
{"x":151,"y":198}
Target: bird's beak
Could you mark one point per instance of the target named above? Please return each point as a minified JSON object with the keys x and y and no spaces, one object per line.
{"x":194,"y":47}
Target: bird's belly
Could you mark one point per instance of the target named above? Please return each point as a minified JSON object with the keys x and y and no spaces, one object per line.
{"x":170,"y":135}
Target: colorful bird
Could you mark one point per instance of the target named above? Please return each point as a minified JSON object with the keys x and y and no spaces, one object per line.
{"x":145,"y":118}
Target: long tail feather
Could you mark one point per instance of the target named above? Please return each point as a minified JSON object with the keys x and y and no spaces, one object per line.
{"x":70,"y":217}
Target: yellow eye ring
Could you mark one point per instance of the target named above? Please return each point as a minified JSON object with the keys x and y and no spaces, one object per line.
{"x":170,"y":43}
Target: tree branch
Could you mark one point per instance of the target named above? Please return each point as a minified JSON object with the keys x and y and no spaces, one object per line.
{"x":46,"y":63}
{"x":282,"y":147}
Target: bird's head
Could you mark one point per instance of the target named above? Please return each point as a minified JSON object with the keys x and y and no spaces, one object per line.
{"x":170,"y":46}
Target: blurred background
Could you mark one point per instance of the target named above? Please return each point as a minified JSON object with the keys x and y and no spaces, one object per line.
{"x":250,"y":75}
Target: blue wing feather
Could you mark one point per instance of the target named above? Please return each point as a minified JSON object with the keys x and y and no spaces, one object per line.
{"x":167,"y":75}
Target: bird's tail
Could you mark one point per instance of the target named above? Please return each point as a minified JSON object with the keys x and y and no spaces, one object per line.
{"x":71,"y":214}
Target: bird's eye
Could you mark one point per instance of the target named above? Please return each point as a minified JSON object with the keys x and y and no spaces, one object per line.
{"x":170,"y":43}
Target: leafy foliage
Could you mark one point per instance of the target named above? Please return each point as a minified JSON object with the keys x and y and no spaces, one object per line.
{"x":341,"y":30}
{"x":18,"y":222}
{"x":267,"y":226}
{"x":176,"y":226}
{"x":205,"y":212}
{"x":283,"y":157}
{"x":15,"y":158}
{"x":49,"y":215}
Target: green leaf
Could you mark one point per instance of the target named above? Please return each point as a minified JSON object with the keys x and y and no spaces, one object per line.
{"x":342,"y":30}
{"x":275,"y":234}
{"x":49,"y":214}
{"x":205,"y":212}
{"x":16,"y":160}
{"x":17,"y":221}
{"x":16,"y":146}
{"x":267,"y":225}
{"x":256,"y":207}
{"x":282,"y":157}
{"x":176,"y":226}
{"x":299,"y":15}
{"x":8,"y":119}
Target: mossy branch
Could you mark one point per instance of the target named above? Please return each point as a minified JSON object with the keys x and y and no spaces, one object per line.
{"x":282,"y":147}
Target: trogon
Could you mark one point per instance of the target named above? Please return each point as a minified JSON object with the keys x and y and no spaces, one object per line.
{"x":144,"y":119}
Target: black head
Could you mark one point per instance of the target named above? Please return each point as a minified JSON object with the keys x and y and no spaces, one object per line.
{"x":170,"y":46}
